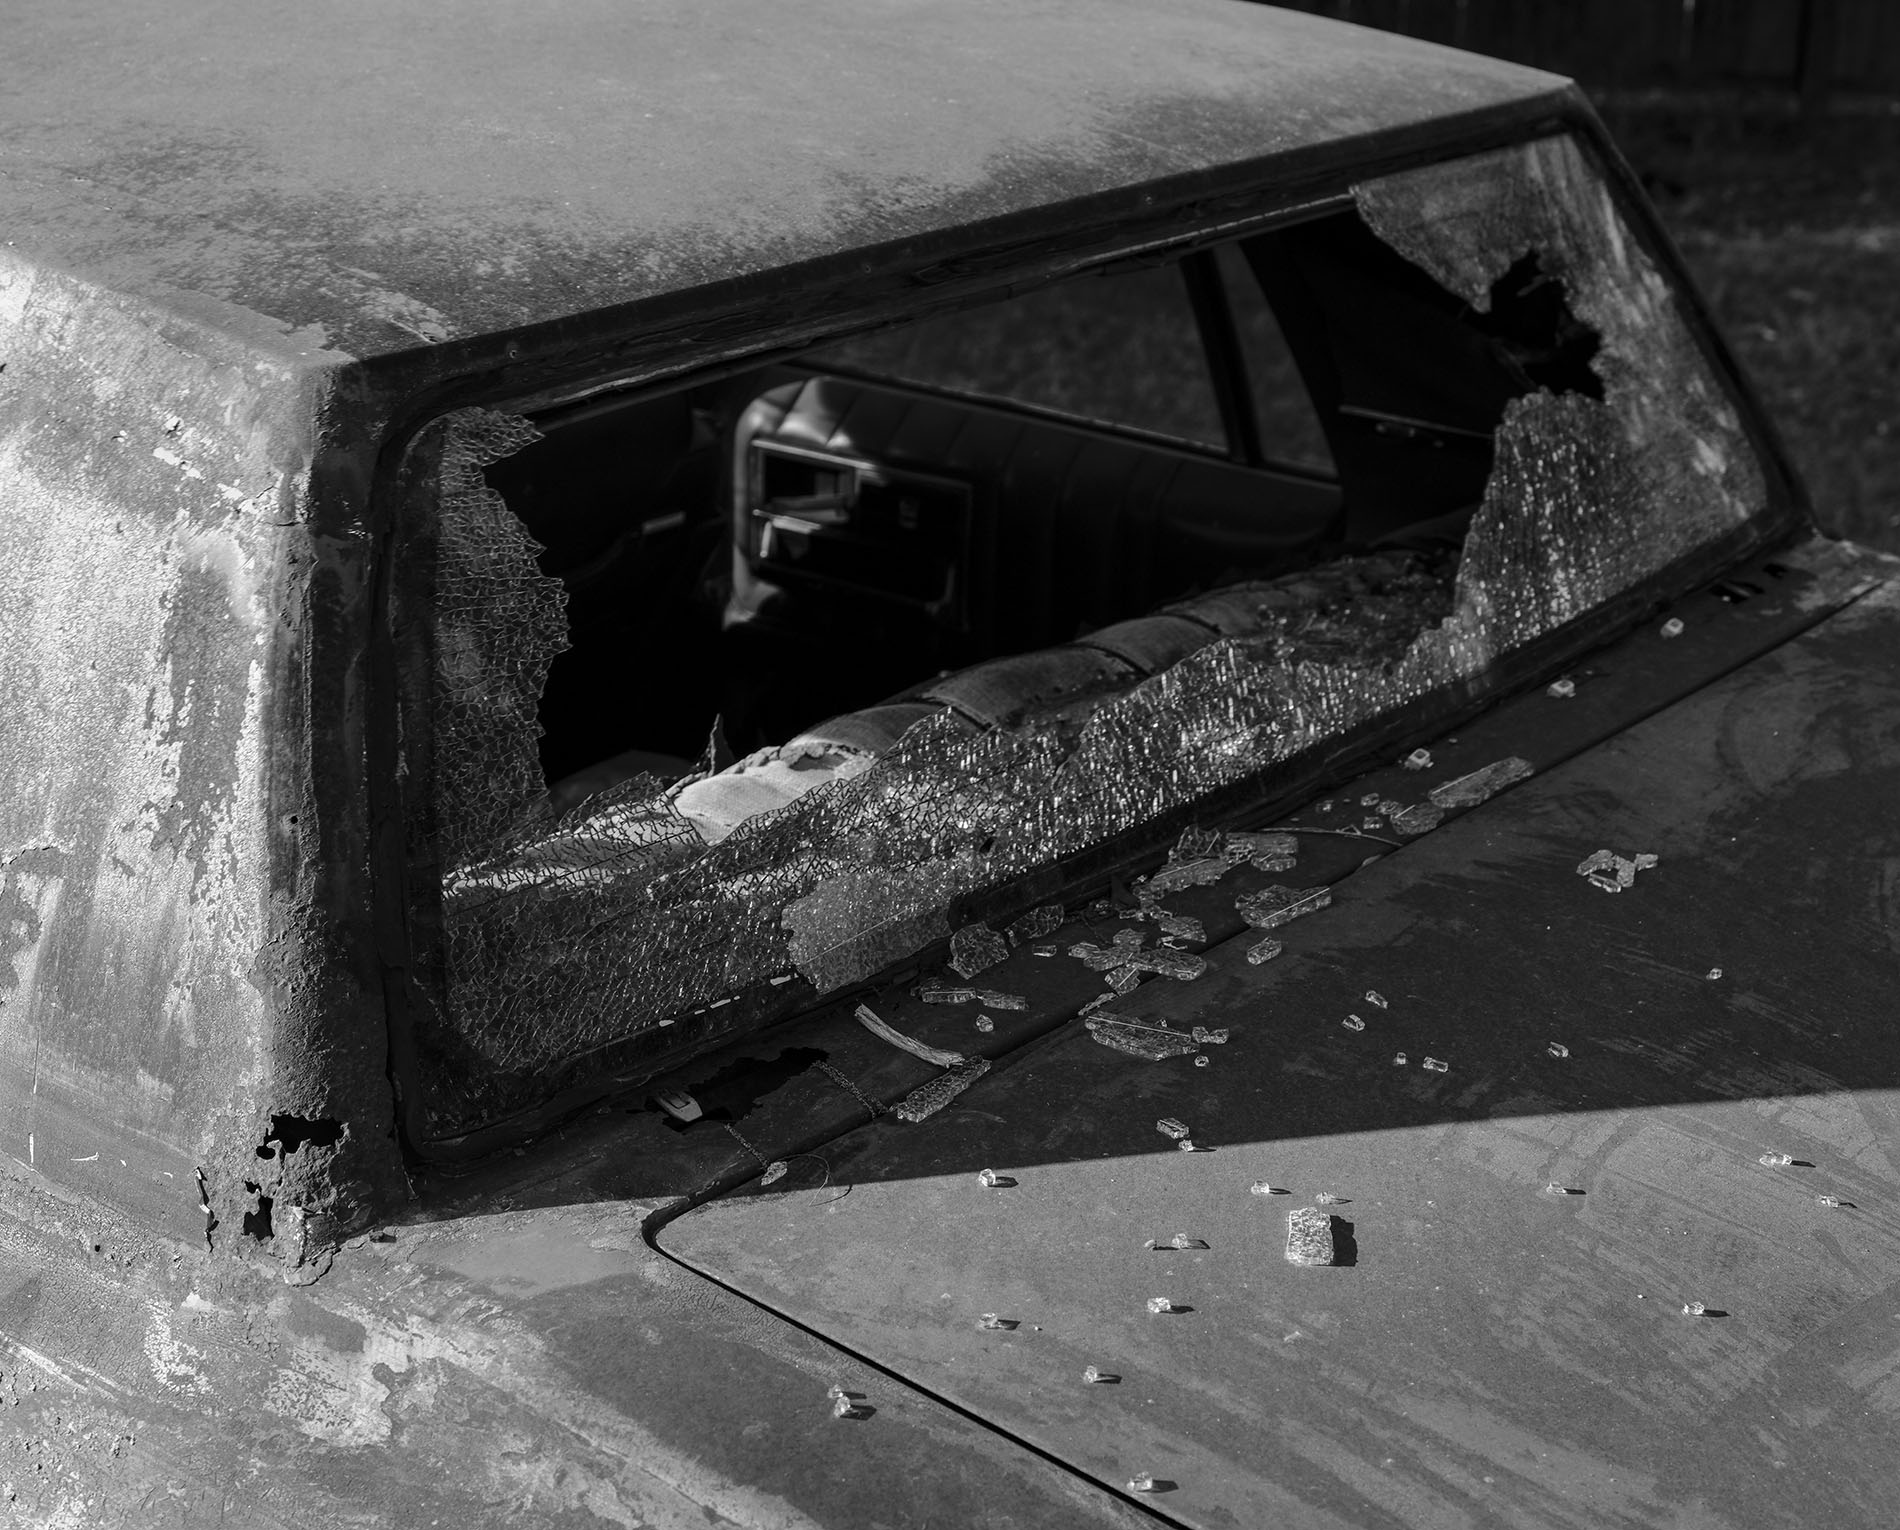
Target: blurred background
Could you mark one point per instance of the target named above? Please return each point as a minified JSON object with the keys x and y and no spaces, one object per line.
{"x":1768,"y":134}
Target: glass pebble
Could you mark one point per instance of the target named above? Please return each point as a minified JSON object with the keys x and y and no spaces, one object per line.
{"x":1096,"y":1373}
{"x":1370,"y":823}
{"x":1693,"y":1309}
{"x":1183,"y":1241}
{"x":774,"y":1172}
{"x":1201,"y":1061}
{"x":1828,"y":1200}
{"x":995,"y":1324}
{"x":1418,"y":759}
{"x":1353,"y":1023}
{"x":1160,"y":1304}
{"x":1398,"y":1059}
{"x":1558,"y":1049}
{"x":1141,"y":1482}
{"x":1433,"y":1065}
{"x":985,"y":1023}
{"x":1326,"y":1198}
{"x":1562,"y":689}
{"x":1326,"y":806}
{"x":1775,"y":1160}
{"x":1263,"y":951}
{"x":1371,"y":799}
{"x":1672,"y":627}
{"x":1714,"y":972}
{"x":843,"y":1407}
{"x":989,"y":1179}
{"x":1186,"y":1145}
{"x":1262,"y":1187}
{"x":1217,"y":1038}
{"x":1377,"y":999}
{"x":1169,"y":1127}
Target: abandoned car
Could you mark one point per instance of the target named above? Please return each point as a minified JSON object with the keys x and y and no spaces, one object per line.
{"x":895,"y":765}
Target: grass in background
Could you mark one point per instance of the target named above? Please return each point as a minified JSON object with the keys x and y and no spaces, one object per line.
{"x":1793,"y":234}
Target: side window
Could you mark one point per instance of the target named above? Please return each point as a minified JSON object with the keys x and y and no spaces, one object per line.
{"x":1289,"y":427}
{"x":1120,"y":348}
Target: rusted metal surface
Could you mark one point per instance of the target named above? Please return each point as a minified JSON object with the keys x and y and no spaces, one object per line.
{"x":178,"y":980}
{"x":1504,"y":1335}
{"x":388,"y":177}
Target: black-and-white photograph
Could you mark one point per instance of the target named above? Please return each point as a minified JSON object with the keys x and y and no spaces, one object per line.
{"x":918,"y":764}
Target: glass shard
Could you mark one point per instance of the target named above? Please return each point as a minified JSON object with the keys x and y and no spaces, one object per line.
{"x":1264,"y":950}
{"x":1274,"y":906}
{"x":1044,"y":920}
{"x":976,"y":948}
{"x":1481,"y":785}
{"x":926,"y":1100}
{"x":1309,"y":1236}
{"x":1146,"y":1040}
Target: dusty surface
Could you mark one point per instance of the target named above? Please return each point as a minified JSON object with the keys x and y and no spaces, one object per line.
{"x":381,"y":178}
{"x":1616,"y":1236}
{"x":532,"y":1371}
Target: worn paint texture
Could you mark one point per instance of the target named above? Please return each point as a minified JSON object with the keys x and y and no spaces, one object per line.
{"x":533,"y":1371}
{"x":171,"y":924}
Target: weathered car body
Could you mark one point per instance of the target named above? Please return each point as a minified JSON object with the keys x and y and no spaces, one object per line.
{"x":372,"y":1113}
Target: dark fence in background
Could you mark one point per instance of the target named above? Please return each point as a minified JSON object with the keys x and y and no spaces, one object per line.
{"x":1812,"y":46}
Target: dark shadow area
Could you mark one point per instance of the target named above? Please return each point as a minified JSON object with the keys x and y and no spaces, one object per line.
{"x":288,"y":1133}
{"x":1345,"y":1245}
{"x":733,"y":1090}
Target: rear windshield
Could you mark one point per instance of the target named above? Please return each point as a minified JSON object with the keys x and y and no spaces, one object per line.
{"x":729,"y":696}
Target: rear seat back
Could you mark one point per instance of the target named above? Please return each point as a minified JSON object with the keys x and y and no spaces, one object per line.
{"x":1072,"y":528}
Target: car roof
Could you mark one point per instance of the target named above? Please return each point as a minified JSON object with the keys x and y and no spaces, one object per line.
{"x":369,"y":178}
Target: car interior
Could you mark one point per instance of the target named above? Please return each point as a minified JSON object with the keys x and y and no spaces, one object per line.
{"x":1053,"y":493}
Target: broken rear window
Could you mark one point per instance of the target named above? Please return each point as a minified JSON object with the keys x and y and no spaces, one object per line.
{"x":724,"y":698}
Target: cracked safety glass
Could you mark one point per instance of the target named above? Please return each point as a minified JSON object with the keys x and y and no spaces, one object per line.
{"x":724,"y":700}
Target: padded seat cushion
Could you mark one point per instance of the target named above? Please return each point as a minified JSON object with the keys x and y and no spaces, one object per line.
{"x":1149,"y":644}
{"x":1003,"y":691}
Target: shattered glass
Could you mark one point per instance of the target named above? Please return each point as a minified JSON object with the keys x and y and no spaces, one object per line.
{"x":926,"y":1100}
{"x":604,"y":927}
{"x":498,"y":624}
{"x":1274,"y":906}
{"x":1139,"y":1038}
{"x":1481,"y":785}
